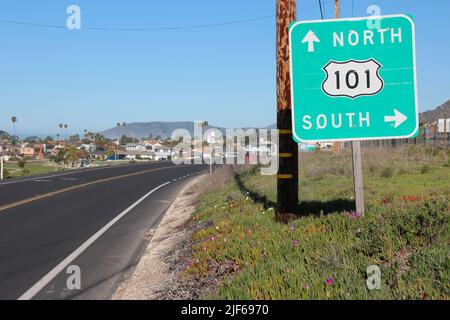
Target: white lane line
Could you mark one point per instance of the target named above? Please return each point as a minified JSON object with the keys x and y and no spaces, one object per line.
{"x":42,"y":180}
{"x":38,"y":286}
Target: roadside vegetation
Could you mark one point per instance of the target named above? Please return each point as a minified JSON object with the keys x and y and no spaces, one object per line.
{"x":325,"y":253}
{"x":23,"y":168}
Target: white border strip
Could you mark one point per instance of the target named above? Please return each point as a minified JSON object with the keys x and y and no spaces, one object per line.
{"x":38,"y":286}
{"x":413,"y":28}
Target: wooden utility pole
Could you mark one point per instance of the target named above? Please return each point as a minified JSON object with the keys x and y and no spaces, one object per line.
{"x":287,"y":177}
{"x":336,"y":9}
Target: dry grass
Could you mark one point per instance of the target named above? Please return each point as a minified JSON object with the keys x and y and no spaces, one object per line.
{"x":376,"y":162}
{"x":221,"y":175}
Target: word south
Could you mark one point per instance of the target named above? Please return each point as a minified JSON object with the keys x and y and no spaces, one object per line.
{"x":349,"y":119}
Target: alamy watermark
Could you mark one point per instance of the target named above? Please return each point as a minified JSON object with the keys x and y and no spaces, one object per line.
{"x":234,"y":146}
{"x":373,"y":281}
{"x":73,"y":21}
{"x":73,"y":281}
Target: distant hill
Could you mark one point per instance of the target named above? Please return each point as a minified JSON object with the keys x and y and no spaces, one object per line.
{"x":154,"y":128}
{"x":438,"y":113}
{"x":145,"y":129}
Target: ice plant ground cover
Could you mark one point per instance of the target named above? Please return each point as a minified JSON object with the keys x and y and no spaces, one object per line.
{"x":325,"y":254}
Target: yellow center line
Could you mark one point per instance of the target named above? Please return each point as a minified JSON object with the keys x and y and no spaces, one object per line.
{"x":50,"y":194}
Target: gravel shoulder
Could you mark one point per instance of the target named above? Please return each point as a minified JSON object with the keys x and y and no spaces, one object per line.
{"x":159,"y":273}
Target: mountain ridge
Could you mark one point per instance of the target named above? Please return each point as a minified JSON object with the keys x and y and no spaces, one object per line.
{"x":163,"y":129}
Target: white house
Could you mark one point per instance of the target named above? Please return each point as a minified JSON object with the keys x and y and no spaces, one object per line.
{"x":162,"y":153}
{"x":135,"y":147}
{"x":88,"y":147}
{"x":152,"y":145}
{"x":138,"y":155}
{"x":443,"y":126}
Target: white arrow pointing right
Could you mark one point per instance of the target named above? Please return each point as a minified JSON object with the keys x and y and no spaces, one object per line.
{"x":398,"y":117}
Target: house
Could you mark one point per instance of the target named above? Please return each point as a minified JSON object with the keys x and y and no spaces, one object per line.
{"x":139,"y":155}
{"x":89,"y":147}
{"x":48,"y":148}
{"x":325,"y":145}
{"x":163,"y":153}
{"x":135,"y":147}
{"x":136,"y":155}
{"x":27,"y":151}
{"x":443,"y":125}
{"x":152,"y":144}
{"x":96,"y":155}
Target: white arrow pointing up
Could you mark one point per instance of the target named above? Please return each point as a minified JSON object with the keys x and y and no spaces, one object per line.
{"x":398,"y":117}
{"x":310,"y":38}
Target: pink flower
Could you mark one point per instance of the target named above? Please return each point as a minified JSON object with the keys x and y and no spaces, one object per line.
{"x":295,"y":243}
{"x":329,"y":281}
{"x":292,"y":227}
{"x":306,"y":286}
{"x":353,"y":215}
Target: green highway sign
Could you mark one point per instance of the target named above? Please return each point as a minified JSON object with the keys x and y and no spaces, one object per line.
{"x":353,"y":79}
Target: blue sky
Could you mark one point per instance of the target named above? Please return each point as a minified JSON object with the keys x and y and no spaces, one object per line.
{"x":92,"y":79}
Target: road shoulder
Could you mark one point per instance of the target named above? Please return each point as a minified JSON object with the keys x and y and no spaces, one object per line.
{"x":154,"y":273}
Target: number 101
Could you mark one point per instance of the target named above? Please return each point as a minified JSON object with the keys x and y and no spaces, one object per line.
{"x":352,"y":79}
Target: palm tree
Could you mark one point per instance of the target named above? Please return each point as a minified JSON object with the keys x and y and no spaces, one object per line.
{"x":65,"y":128}
{"x":14,"y":120}
{"x":61,"y":127}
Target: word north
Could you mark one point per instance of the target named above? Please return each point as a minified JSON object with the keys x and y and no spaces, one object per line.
{"x":367,"y":37}
{"x":349,"y":119}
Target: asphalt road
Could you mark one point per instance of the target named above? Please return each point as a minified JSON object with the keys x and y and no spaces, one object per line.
{"x":95,"y":221}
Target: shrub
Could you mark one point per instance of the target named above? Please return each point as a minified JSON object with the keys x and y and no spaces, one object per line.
{"x":373,"y":169}
{"x":425,"y":169}
{"x":21,"y":163}
{"x":387,"y":172}
{"x":447,"y":164}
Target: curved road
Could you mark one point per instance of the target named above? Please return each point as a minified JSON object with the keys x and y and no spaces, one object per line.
{"x":93,"y":220}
